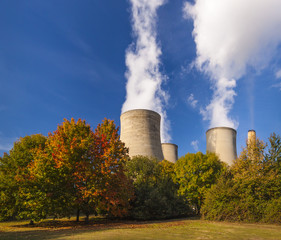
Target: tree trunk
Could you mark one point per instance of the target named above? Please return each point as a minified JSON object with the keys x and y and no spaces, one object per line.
{"x":77,"y":215}
{"x":197,"y":209}
{"x":87,"y":218}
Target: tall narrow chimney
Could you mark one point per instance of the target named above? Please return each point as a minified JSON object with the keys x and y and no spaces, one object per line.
{"x":251,"y":137}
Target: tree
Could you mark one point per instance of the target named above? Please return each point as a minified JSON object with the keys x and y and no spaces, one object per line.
{"x":83,"y":170}
{"x":15,"y":178}
{"x":167,"y":169}
{"x":155,"y":191}
{"x":72,"y":149}
{"x":250,"y":171}
{"x":221,"y":200}
{"x":119,"y":189}
{"x":195,"y":174}
{"x":274,"y":153}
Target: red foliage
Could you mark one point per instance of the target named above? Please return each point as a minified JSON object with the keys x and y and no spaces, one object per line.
{"x":92,"y":164}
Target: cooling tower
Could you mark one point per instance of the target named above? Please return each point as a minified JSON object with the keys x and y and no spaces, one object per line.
{"x":170,"y":152}
{"x":251,"y":137}
{"x":140,"y":131}
{"x":222,"y":141}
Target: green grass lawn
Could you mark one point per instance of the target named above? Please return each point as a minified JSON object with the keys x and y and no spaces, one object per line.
{"x":169,"y":229}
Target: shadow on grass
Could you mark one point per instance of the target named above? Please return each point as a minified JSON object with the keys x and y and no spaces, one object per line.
{"x":43,"y":234}
{"x":53,"y":229}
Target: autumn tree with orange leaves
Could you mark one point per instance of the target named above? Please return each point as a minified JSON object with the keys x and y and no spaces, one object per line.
{"x":74,"y":155}
{"x":118,"y":189}
{"x":83,"y":170}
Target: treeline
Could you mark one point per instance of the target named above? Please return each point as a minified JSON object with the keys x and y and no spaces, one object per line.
{"x":77,"y":170}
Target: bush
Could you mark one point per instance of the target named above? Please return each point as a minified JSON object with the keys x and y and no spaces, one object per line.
{"x":272,"y":211}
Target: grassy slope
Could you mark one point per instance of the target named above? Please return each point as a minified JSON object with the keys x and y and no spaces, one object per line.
{"x":172,"y":229}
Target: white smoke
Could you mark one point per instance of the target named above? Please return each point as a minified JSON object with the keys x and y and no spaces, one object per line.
{"x":232,"y":36}
{"x":143,"y":61}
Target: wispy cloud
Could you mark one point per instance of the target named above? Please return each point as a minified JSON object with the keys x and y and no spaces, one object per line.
{"x":194,"y":144}
{"x":278,"y":74}
{"x":143,"y":62}
{"x":231,"y":36}
{"x":277,"y":85}
{"x":192,"y":101}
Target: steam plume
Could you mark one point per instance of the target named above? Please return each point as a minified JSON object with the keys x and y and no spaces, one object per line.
{"x":231,"y":36}
{"x":143,"y":61}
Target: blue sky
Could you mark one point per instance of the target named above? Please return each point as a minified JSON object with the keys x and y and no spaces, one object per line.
{"x":63,"y":59}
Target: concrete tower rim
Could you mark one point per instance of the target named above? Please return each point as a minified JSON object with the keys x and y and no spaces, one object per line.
{"x":170,"y":144}
{"x":222,"y":128}
{"x":140,"y":109}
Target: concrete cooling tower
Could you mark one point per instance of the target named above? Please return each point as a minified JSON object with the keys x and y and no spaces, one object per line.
{"x":222,"y":141}
{"x":170,"y":152}
{"x":140,"y":131}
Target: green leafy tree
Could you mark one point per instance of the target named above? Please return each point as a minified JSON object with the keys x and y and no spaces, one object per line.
{"x":51,"y":189}
{"x":15,"y":179}
{"x":221,"y":200}
{"x":195,"y":174}
{"x":155,"y":191}
{"x":274,"y":153}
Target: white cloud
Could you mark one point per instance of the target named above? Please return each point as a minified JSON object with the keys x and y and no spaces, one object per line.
{"x":231,"y":35}
{"x":194,"y":144}
{"x":143,"y":60}
{"x":192,"y":101}
{"x":278,"y":74}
